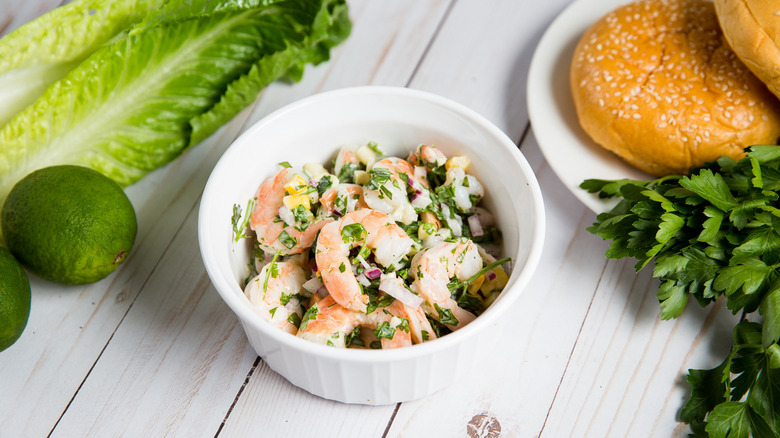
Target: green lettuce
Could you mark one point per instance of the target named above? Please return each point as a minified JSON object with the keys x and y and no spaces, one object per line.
{"x":137,"y":103}
{"x":44,"y":50}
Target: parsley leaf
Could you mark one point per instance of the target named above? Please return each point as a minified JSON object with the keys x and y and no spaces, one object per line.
{"x":353,"y":233}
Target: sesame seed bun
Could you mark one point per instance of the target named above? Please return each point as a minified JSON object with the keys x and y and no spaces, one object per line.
{"x":752,"y":29}
{"x":655,"y":83}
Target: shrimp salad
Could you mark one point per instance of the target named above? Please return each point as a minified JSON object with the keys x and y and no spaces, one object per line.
{"x":374,"y":252}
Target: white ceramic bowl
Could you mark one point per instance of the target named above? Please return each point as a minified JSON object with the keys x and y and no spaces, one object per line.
{"x":398,"y":119}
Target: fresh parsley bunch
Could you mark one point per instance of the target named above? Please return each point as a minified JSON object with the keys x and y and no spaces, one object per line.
{"x":741,"y":396}
{"x":713,"y":233}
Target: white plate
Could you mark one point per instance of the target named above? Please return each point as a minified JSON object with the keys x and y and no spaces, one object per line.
{"x":571,"y":153}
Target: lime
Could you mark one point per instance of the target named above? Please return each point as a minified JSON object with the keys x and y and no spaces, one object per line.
{"x":68,"y":224}
{"x":14,"y":299}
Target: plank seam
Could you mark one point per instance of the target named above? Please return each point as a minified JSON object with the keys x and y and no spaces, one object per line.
{"x":524,"y":135}
{"x":390,"y":421}
{"x":238,"y":395}
{"x":430,"y":42}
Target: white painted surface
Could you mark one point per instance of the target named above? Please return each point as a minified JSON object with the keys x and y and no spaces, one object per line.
{"x":152,"y":351}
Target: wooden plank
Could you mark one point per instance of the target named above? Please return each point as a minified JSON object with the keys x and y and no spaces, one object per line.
{"x":272,"y":405}
{"x":386,"y":44}
{"x":175,"y":363}
{"x":627,"y":373}
{"x":482,"y":54}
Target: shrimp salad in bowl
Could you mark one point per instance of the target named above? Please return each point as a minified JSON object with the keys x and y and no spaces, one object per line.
{"x":373,"y":252}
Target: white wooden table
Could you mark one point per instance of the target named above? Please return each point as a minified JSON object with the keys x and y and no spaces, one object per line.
{"x":153,"y":351}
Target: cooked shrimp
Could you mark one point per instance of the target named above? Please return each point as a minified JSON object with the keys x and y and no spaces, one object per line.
{"x":391,"y":325}
{"x":386,"y":190}
{"x":419,"y":326}
{"x":329,"y":323}
{"x":342,"y":199}
{"x":465,"y":188}
{"x":433,"y":268}
{"x":372,"y":229}
{"x":276,"y":294}
{"x":427,"y":156}
{"x":273,"y":234}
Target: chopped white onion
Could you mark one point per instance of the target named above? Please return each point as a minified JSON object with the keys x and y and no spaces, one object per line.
{"x":421,"y":199}
{"x":314,"y":285}
{"x":363,"y":262}
{"x":394,"y":287}
{"x":420,"y":173}
{"x":361,"y":278}
{"x":453,"y":223}
{"x":475,"y":226}
{"x":286,"y":215}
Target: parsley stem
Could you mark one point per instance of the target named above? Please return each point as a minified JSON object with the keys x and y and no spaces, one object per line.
{"x":269,"y":272}
{"x":487,"y":268}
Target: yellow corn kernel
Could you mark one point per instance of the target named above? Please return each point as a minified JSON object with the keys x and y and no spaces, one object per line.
{"x":461,"y":161}
{"x":497,"y":283}
{"x":296,"y":186}
{"x":476,"y":284}
{"x":292,"y":201}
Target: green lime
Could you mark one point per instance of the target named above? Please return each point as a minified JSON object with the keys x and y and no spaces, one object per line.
{"x":14,"y":299}
{"x":69,"y":224}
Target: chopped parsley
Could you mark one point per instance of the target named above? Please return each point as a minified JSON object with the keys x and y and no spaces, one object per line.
{"x":294,"y":319}
{"x":308,"y":316}
{"x":347,"y":173}
{"x":377,"y":302}
{"x":378,"y":177}
{"x":288,"y":241}
{"x":354,"y":338}
{"x":353,"y":233}
{"x":374,"y":147}
{"x":324,"y":184}
{"x":445,"y":315}
{"x":302,"y":216}
{"x":384,"y":330}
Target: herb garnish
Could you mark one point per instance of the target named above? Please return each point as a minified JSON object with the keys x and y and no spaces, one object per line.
{"x":353,"y":233}
{"x":272,"y":271}
{"x":445,"y":315}
{"x":713,"y":233}
{"x":240,"y":226}
{"x":288,"y":241}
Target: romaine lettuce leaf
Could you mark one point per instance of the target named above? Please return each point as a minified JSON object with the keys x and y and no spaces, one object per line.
{"x":132,"y":106}
{"x":44,"y":50}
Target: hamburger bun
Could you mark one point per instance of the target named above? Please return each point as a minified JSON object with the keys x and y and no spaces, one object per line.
{"x":656,"y":83}
{"x":752,"y":29}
